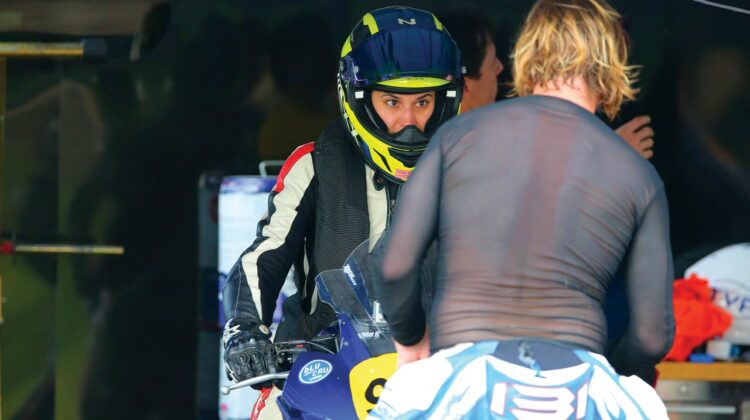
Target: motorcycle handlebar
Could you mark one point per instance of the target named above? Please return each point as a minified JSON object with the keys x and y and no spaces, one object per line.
{"x":288,"y":346}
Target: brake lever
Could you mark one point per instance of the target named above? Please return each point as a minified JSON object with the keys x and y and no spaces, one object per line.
{"x":252,"y":381}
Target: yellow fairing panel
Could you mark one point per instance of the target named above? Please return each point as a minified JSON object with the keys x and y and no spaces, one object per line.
{"x":367,"y":379}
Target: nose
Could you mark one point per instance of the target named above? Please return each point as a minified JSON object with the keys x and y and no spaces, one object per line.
{"x":499,"y":67}
{"x":409,"y":117}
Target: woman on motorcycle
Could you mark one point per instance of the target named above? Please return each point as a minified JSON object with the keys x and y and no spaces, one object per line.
{"x":400,"y":77}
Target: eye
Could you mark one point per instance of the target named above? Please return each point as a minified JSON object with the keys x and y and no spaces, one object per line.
{"x":391,"y":102}
{"x":423,"y":103}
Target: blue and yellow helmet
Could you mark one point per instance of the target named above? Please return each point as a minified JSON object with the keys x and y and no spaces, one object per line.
{"x":402,"y":50}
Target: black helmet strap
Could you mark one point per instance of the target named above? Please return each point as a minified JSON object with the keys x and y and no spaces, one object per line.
{"x":444,"y":103}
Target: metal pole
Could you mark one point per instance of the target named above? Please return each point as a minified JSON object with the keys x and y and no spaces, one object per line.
{"x":41,"y":49}
{"x":3,"y":85}
{"x":69,"y":249}
{"x":2,"y":178}
{"x":2,"y":301}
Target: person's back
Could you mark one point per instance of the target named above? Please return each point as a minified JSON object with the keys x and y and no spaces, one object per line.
{"x":535,"y":205}
{"x":568,"y":194}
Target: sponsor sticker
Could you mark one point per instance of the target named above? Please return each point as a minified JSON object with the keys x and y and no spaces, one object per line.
{"x":314,"y":371}
{"x":349,"y":273}
{"x":403,"y":174}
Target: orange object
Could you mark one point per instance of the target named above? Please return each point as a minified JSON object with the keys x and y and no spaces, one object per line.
{"x":697,"y":318}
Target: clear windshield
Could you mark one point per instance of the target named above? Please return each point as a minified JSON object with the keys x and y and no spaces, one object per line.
{"x":349,"y":291}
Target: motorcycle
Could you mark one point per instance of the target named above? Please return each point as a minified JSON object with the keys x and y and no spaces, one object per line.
{"x":338,"y":374}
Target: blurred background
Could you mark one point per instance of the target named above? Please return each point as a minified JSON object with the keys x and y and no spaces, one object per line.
{"x":109,"y":149}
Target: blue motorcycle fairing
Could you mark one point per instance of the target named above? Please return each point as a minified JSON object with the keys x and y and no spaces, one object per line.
{"x":323,"y":398}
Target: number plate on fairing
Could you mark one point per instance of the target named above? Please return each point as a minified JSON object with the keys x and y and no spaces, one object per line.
{"x":367,"y":379}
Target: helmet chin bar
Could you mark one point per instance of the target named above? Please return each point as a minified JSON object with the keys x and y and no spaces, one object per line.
{"x":416,"y":140}
{"x":411,"y":135}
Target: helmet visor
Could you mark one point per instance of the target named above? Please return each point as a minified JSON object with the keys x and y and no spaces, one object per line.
{"x":415,"y":52}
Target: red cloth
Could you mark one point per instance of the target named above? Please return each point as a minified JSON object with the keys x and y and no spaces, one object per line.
{"x":697,"y":318}
{"x":6,"y":247}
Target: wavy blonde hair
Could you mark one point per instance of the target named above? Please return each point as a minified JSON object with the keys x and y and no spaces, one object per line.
{"x":565,"y":39}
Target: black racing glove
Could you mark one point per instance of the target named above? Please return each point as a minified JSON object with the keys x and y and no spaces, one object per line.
{"x":248,"y":351}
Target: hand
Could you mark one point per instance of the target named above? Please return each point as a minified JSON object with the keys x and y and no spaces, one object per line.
{"x":639,"y":135}
{"x":248,"y":351}
{"x":408,"y":354}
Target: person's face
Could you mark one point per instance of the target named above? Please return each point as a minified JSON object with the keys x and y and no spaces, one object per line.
{"x":399,"y":110}
{"x":482,"y":90}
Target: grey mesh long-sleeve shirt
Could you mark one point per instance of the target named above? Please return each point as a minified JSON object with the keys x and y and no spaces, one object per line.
{"x":535,"y":204}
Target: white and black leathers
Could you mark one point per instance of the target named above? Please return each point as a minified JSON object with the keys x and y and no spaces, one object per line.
{"x":301,"y":230}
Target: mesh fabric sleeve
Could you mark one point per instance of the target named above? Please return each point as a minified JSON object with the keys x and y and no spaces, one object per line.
{"x":400,"y":253}
{"x":649,"y":277}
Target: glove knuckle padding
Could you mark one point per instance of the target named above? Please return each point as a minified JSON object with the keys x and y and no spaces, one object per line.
{"x":248,"y":351}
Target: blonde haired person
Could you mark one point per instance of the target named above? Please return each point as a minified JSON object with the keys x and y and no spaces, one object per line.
{"x":604,"y":60}
{"x":536,"y":204}
{"x":574,"y":41}
{"x":473,"y":34}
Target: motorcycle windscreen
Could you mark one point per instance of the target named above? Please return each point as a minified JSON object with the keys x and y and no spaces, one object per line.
{"x":359,"y":270}
{"x":339,"y":289}
{"x":359,"y":267}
